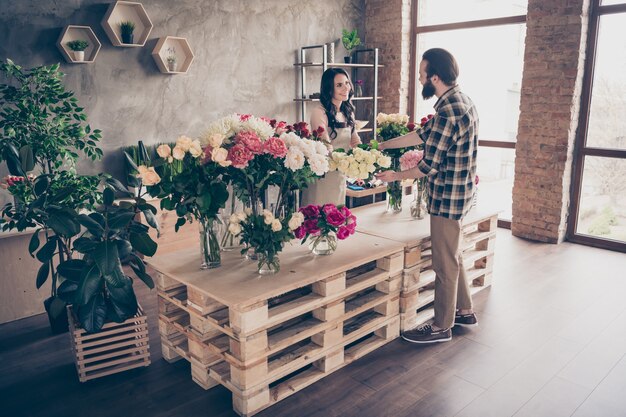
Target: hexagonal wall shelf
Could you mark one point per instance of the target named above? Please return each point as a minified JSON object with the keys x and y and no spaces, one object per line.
{"x":122,"y":11}
{"x":73,"y":33}
{"x":172,"y":47}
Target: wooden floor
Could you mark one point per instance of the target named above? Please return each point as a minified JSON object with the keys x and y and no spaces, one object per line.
{"x":551,"y":342}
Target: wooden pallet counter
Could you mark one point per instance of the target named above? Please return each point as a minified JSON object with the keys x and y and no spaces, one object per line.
{"x":267,"y":337}
{"x":417,"y":295}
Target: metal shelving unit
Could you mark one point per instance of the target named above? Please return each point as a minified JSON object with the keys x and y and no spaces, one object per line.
{"x":303,"y":65}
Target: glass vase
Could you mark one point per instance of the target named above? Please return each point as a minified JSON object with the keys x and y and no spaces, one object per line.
{"x":394,"y":190}
{"x":268,"y":264}
{"x":209,"y":243}
{"x":418,"y":205}
{"x":323,"y":244}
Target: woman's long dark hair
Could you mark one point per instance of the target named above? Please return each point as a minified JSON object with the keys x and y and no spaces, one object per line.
{"x":327,"y":89}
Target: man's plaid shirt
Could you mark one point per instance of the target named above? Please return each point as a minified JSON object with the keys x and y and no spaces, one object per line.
{"x":450,"y":147}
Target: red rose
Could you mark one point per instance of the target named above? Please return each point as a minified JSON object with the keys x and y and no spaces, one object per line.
{"x":343,"y":233}
{"x":411,"y":126}
{"x":335,"y":218}
{"x":300,"y":232}
{"x":311,"y":226}
{"x":311,"y":211}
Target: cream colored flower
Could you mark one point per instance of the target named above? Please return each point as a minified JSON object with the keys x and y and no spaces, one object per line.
{"x":219,"y":156}
{"x":269,"y":216}
{"x":164,"y":151}
{"x":148,"y":175}
{"x":242,"y":216}
{"x":178,"y":153}
{"x":276,"y":225}
{"x":195,"y":149}
{"x":234,"y":218}
{"x":294,"y":159}
{"x":234,"y":228}
{"x":247,"y":211}
{"x":215,"y":140}
{"x":296,"y":220}
{"x":184,"y":142}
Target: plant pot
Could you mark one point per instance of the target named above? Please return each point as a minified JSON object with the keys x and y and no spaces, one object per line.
{"x":117,"y":348}
{"x":172,"y":66}
{"x":79,"y":56}
{"x":55,"y":307}
{"x":347,"y":59}
{"x":128,"y":38}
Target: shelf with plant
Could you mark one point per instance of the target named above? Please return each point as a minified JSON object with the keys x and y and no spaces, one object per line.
{"x":127,"y":24}
{"x":173,"y":55}
{"x":78,"y":44}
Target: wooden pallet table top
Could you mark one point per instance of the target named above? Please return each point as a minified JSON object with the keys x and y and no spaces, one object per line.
{"x":373,"y":219}
{"x":236,"y":283}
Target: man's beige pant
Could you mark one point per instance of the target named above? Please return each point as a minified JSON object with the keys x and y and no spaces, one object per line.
{"x":451,"y":286}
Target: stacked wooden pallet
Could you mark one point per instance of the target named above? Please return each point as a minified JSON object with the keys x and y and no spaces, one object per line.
{"x":267,"y":337}
{"x":417,"y":295}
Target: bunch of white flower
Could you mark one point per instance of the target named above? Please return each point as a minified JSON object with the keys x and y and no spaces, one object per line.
{"x":359,"y":163}
{"x":236,"y":219}
{"x":228,"y":126}
{"x":384,"y":118}
{"x":301,"y":151}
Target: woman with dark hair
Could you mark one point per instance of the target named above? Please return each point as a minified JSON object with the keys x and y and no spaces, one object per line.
{"x":336,"y":115}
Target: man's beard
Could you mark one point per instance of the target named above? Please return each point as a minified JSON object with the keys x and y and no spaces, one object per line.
{"x":428,"y":89}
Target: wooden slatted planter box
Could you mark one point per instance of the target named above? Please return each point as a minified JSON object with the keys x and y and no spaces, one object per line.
{"x":417,"y":287}
{"x":117,"y":348}
{"x":267,"y":337}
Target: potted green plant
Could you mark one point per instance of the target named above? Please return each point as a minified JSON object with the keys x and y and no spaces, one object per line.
{"x":350,"y":41}
{"x":42,"y":134}
{"x":78,"y":47}
{"x":171,"y":59}
{"x":127,"y":28}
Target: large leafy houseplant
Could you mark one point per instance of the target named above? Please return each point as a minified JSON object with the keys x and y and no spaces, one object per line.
{"x":42,"y":132}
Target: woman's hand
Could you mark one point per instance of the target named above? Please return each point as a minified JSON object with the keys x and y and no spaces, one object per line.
{"x":387,"y":176}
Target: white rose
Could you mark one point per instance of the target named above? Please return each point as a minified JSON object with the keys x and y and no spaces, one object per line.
{"x":319,"y":165}
{"x":195,"y":149}
{"x":269,"y":217}
{"x":234,"y":218}
{"x":296,"y":220}
{"x":215,"y":140}
{"x":242,"y":216}
{"x":294,"y":159}
{"x":247,"y":211}
{"x":276,"y":225}
{"x":384,"y":161}
{"x":164,"y":151}
{"x":332,"y":165}
{"x":219,"y":156}
{"x":184,"y":142}
{"x":234,"y":229}
{"x":178,"y":153}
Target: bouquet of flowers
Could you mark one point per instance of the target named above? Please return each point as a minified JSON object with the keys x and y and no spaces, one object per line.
{"x":265,"y":234}
{"x":191,"y":179}
{"x":359,"y":162}
{"x":265,"y":152}
{"x":323,"y":225}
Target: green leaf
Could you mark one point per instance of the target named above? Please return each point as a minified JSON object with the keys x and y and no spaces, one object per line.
{"x":47,"y":251}
{"x":33,"y":245}
{"x":119,"y":221}
{"x":67,"y":291}
{"x":27,"y":159}
{"x":142,"y":243}
{"x":90,"y":283}
{"x":94,"y":227}
{"x":106,"y":256}
{"x":41,"y":185}
{"x":62,"y":194}
{"x":130,"y":162}
{"x":63,"y":222}
{"x":124,"y":248}
{"x":84,"y":245}
{"x":93,"y":314}
{"x":122,"y":299}
{"x":132,"y":181}
{"x":151,"y":219}
{"x":57,"y":307}
{"x":72,"y":269}
{"x":147,"y":279}
{"x":116,"y":277}
{"x":42,"y":274}
{"x":118,"y":186}
{"x":108,"y":196}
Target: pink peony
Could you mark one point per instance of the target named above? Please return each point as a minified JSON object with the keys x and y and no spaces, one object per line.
{"x":335,"y":218}
{"x":311,"y":211}
{"x":410,"y":159}
{"x":311,"y":226}
{"x":300,"y":232}
{"x":329,"y":208}
{"x":343,"y":233}
{"x":240,"y":155}
{"x":275,"y":147}
{"x":251,"y":141}
{"x":351,"y":224}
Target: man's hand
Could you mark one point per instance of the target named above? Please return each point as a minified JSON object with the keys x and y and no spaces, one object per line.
{"x":388,"y":176}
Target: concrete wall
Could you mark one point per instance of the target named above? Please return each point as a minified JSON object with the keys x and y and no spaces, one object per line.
{"x":245,"y":50}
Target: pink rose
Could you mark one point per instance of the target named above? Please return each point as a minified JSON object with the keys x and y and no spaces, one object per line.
{"x":351,"y":224}
{"x":346,"y":211}
{"x":410,"y":159}
{"x":240,"y":155}
{"x":335,"y":218}
{"x":275,"y":147}
{"x":343,"y":233}
{"x":311,"y":226}
{"x":251,"y":141}
{"x":311,"y":211}
{"x":300,"y":232}
{"x":329,"y":208}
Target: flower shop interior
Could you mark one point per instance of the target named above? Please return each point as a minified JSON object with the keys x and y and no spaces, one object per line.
{"x":155,"y":259}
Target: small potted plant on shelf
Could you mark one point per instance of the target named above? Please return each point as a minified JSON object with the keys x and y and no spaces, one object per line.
{"x":127,"y":28}
{"x":350,"y":41}
{"x":78,"y":46}
{"x":171,"y":59}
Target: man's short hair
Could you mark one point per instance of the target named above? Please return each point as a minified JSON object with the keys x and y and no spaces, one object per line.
{"x":441,"y":63}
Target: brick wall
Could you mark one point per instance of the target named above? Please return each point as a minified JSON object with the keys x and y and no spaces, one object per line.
{"x":388,"y":27}
{"x":550,"y":103}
